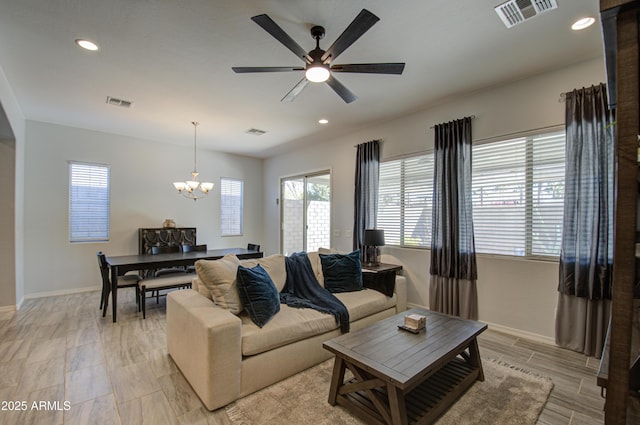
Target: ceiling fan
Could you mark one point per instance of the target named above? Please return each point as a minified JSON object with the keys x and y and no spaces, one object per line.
{"x":318,"y":63}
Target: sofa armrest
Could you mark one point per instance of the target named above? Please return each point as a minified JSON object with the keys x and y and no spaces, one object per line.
{"x":401,"y":294}
{"x":205,"y":342}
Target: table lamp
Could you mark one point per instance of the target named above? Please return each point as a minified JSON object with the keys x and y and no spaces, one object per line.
{"x":373,"y":238}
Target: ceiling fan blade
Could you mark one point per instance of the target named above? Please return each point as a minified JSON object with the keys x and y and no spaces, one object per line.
{"x":295,"y":91}
{"x":342,"y":91}
{"x":245,"y":69}
{"x":278,"y":33}
{"x":370,"y":68}
{"x":354,"y":31}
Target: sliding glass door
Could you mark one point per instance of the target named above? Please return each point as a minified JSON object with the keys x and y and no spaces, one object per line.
{"x":305,"y":212}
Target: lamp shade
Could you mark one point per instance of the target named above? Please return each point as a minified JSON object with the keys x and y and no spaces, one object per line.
{"x":373,"y":237}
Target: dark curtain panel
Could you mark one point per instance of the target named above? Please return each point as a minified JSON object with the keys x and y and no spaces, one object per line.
{"x":586,"y":256}
{"x":452,"y":287}
{"x":366,"y":190}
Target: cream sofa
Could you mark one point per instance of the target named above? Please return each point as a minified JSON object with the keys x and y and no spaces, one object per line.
{"x":226,"y":356}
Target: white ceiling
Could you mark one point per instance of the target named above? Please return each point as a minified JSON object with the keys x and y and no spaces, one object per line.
{"x":173,"y":59}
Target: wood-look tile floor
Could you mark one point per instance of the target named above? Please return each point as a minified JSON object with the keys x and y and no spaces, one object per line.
{"x":80,"y":368}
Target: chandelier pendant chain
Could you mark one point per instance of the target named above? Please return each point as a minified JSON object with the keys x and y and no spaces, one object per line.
{"x":195,"y":147}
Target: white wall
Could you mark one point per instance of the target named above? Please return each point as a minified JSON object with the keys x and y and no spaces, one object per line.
{"x":7,"y":223}
{"x":142,"y":195}
{"x":513,"y":293}
{"x":16,"y":120}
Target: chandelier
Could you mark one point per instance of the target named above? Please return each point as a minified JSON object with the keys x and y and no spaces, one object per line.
{"x":193,"y":189}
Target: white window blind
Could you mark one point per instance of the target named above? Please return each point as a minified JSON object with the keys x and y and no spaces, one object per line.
{"x":88,"y":202}
{"x":231,"y":196}
{"x":518,"y":195}
{"x":405,"y":201}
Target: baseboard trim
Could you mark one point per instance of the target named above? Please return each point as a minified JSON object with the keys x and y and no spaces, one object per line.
{"x":8,"y":308}
{"x":507,"y":330}
{"x":61,"y":292}
{"x":522,"y":334}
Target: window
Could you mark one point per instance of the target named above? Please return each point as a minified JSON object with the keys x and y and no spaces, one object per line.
{"x":518,"y":197}
{"x":88,"y":202}
{"x":231,"y":200}
{"x":305,"y":212}
{"x":405,"y":199}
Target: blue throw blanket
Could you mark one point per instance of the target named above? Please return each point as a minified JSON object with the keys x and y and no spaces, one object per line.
{"x":302,"y":290}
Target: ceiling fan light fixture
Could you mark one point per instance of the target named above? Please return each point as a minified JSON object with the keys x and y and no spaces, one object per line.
{"x":317,"y":74}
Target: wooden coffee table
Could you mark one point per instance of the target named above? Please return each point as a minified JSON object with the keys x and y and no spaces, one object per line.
{"x":405,"y":378}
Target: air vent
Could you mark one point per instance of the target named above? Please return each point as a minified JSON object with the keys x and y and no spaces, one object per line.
{"x":255,"y":132}
{"x":119,"y":102}
{"x":515,"y":12}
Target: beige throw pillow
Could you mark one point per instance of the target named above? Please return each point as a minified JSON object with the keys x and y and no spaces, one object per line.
{"x":274,"y":265}
{"x":219,"y":276}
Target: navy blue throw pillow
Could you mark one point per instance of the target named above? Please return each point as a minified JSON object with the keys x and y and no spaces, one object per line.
{"x":342,"y":272}
{"x":258,"y":294}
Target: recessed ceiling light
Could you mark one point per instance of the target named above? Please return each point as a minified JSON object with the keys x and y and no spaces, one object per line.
{"x":86,"y":44}
{"x":323,"y":121}
{"x":582,"y":23}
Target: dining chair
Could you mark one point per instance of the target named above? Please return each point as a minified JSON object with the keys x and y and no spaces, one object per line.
{"x":157,"y":284}
{"x":126,"y":281}
{"x":253,"y":247}
{"x":192,"y":248}
{"x":166,"y":249}
{"x":189,"y":248}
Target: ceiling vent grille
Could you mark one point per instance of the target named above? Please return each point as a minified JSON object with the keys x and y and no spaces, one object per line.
{"x":515,"y":12}
{"x":255,"y":132}
{"x":119,"y":102}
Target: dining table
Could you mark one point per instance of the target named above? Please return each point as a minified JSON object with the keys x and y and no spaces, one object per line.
{"x":121,"y":264}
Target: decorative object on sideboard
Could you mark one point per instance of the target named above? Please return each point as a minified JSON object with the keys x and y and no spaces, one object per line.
{"x":194,"y":189}
{"x":373,"y":238}
{"x":169,"y":223}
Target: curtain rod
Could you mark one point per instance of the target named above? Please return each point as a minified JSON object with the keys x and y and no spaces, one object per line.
{"x":555,"y":127}
{"x":470,"y":116}
{"x":563,"y":96}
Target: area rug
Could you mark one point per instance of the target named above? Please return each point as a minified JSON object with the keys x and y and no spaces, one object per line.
{"x":508,"y":396}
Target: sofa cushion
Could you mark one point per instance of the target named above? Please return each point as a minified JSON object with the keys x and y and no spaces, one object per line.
{"x":219,"y":277}
{"x":258,"y":294}
{"x":316,"y":266}
{"x":273,"y":264}
{"x":365,"y":303}
{"x":289,"y":325}
{"x":342,"y":272}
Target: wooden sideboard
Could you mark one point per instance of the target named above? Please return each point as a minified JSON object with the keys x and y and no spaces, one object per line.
{"x":165,"y":236}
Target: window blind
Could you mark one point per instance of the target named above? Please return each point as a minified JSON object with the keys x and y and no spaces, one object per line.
{"x":89,"y":202}
{"x":405,"y":201}
{"x":517,"y":193}
{"x":231,"y":205}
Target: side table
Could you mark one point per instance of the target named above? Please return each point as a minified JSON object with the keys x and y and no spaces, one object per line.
{"x":382,"y":267}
